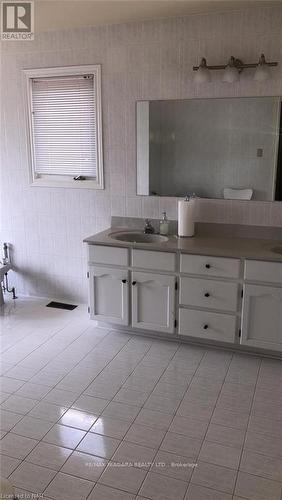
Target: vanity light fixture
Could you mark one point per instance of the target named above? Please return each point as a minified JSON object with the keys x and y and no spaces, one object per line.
{"x":233,"y":69}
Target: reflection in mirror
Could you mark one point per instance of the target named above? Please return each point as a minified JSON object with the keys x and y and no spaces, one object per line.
{"x":216,"y":148}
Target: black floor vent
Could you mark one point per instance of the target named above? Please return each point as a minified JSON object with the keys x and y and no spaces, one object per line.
{"x":61,"y":305}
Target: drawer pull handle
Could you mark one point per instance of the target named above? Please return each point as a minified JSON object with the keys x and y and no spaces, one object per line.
{"x":124,"y":281}
{"x":207,"y":294}
{"x":208,"y":266}
{"x":134,"y":283}
{"x":205,"y":327}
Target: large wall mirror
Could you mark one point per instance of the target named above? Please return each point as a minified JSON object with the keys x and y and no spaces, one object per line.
{"x":215,"y":148}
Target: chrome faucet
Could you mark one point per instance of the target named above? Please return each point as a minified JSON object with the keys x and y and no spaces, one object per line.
{"x":148,"y":228}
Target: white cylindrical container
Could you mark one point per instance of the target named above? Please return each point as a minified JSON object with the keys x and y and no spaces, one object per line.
{"x":186,"y":216}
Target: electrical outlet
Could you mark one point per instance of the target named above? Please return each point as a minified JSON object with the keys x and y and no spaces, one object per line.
{"x":259,"y":152}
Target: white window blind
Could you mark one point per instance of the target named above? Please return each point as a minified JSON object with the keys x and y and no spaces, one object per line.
{"x":64,"y":126}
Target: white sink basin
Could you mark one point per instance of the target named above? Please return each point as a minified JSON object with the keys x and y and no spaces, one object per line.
{"x":138,"y":237}
{"x":277,"y":250}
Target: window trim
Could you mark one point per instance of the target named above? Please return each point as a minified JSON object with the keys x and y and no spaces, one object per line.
{"x":47,"y":181}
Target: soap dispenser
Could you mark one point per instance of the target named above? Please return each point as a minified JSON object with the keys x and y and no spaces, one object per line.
{"x":164,"y":225}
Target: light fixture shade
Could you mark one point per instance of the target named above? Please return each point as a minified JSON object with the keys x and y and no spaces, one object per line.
{"x":202,"y":74}
{"x":231,"y":73}
{"x":262,"y":72}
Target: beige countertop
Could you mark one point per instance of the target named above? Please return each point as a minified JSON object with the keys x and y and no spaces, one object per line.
{"x":251,"y":248}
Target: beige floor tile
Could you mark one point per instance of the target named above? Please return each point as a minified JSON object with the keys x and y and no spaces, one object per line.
{"x":189,"y":427}
{"x":257,"y":488}
{"x":18,"y":404}
{"x":49,"y":455}
{"x":123,"y":478}
{"x":10,"y":385}
{"x":261,"y":465}
{"x":167,"y":390}
{"x":32,"y":477}
{"x":47,"y":411}
{"x":17,"y":446}
{"x":89,"y":404}
{"x":157,"y":487}
{"x":141,"y":434}
{"x":64,"y":436}
{"x":163,"y":404}
{"x":84,"y":466}
{"x":138,"y":456}
{"x":4,"y":396}
{"x":101,"y":492}
{"x":8,"y":465}
{"x":181,"y":445}
{"x":8,"y":420}
{"x":33,"y":391}
{"x":197,"y":410}
{"x":111,"y":427}
{"x":262,"y":443}
{"x":101,"y":446}
{"x":60,"y":397}
{"x":219,"y":454}
{"x":153,"y":419}
{"x":267,"y":426}
{"x":236,"y":420}
{"x":66,"y":487}
{"x":214,"y":477}
{"x":122,"y":411}
{"x":78,"y":419}
{"x":172,"y":465}
{"x":32,"y":427}
{"x":200,"y":493}
{"x":225,"y":436}
{"x":131,"y":397}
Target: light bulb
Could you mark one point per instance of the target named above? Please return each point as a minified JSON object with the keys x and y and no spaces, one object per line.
{"x":262,"y":72}
{"x":202,"y":74}
{"x":231,"y":73}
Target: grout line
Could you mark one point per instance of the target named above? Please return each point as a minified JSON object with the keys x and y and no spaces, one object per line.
{"x":203,"y":440}
{"x":166,"y":432}
{"x":247,"y":427}
{"x":194,"y":376}
{"x":109,"y":401}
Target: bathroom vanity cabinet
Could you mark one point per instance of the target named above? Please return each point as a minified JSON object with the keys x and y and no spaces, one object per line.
{"x":134,"y":289}
{"x":235,"y":301}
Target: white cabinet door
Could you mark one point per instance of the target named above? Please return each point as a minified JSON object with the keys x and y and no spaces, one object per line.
{"x":262,"y":317}
{"x":153,"y":301}
{"x":109,"y":294}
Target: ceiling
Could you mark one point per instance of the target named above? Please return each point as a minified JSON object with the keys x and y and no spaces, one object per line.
{"x":67,"y":14}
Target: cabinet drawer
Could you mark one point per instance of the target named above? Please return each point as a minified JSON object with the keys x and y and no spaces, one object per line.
{"x":100,"y":254}
{"x":209,"y":266}
{"x":269,"y":272}
{"x":207,"y":325}
{"x":208,"y":293}
{"x":161,"y":261}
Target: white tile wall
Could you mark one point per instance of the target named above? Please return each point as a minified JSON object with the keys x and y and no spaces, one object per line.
{"x":145,"y":60}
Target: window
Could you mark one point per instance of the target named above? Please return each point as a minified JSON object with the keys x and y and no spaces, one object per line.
{"x":64,"y":111}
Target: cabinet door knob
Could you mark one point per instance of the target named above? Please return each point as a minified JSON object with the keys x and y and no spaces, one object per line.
{"x":133,"y":283}
{"x":205,"y":327}
{"x":207,"y":294}
{"x":124,"y":281}
{"x":208,"y":266}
